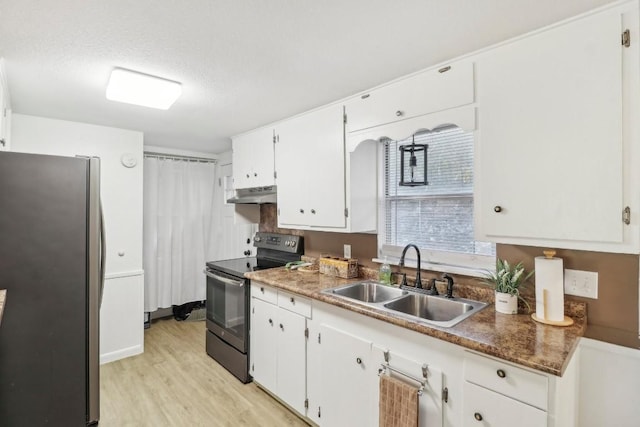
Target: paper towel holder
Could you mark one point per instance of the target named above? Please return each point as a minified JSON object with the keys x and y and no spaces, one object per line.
{"x":567,"y":321}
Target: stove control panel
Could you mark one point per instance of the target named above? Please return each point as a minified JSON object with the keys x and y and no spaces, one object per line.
{"x":280,"y":242}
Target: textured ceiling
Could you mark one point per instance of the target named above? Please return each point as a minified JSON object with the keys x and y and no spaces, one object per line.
{"x":242,"y":63}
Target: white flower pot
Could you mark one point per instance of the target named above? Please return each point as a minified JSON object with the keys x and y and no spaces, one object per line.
{"x":506,"y":303}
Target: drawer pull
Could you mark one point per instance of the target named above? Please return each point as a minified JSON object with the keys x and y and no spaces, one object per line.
{"x":399,"y":113}
{"x":293,"y":301}
{"x":358,"y":361}
{"x":497,"y":209}
{"x":262,"y":289}
{"x":501,"y":373}
{"x":271,"y":322}
{"x":477,"y":416}
{"x":281,"y":327}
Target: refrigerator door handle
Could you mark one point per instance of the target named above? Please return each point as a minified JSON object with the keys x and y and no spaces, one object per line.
{"x":103,"y":255}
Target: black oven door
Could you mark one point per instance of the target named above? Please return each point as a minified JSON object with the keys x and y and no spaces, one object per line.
{"x":227,"y":307}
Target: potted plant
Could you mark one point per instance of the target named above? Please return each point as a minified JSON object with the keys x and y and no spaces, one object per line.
{"x":506,"y":281}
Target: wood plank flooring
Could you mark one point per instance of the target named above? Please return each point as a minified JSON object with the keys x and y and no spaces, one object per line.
{"x":175,"y":383}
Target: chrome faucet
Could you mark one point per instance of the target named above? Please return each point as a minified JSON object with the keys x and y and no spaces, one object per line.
{"x":401,"y":264}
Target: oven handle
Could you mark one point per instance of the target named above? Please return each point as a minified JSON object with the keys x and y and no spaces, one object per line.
{"x":224,"y":279}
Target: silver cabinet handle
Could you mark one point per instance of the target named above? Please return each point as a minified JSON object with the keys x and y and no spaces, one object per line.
{"x":224,"y":279}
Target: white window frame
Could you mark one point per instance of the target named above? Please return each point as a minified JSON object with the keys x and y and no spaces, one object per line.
{"x":474,"y":265}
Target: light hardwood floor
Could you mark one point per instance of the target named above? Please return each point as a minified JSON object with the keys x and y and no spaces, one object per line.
{"x":175,"y":383}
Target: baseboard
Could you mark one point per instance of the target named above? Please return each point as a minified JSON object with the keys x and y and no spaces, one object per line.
{"x":121,"y":354}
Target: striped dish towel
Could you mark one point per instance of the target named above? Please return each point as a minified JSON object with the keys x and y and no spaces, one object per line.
{"x":398,"y":403}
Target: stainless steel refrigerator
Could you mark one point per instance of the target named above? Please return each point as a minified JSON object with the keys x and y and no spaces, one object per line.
{"x":52,"y":265}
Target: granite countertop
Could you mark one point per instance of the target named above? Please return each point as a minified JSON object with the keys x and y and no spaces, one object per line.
{"x":515,"y":338}
{"x":3,"y":296}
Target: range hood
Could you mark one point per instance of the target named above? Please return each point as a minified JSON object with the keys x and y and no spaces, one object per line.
{"x":255,"y":196}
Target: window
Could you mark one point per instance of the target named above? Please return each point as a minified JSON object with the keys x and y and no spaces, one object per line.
{"x":437,"y":217}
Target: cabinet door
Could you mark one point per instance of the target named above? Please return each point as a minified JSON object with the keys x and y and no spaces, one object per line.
{"x":253,"y":159}
{"x":292,"y":359}
{"x":263,"y":338}
{"x":427,"y":92}
{"x":430,"y":403}
{"x":348,"y":379}
{"x":485,"y":408}
{"x":550,"y":151}
{"x":310,"y":162}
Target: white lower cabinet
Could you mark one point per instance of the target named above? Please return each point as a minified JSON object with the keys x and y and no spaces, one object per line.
{"x":347,"y":379}
{"x":263,"y":338}
{"x":278,"y":345}
{"x":497,"y":393}
{"x":326,"y":367}
{"x":485,"y":408}
{"x":346,"y":354}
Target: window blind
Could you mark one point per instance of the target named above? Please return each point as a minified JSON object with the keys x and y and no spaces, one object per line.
{"x":438,"y":216}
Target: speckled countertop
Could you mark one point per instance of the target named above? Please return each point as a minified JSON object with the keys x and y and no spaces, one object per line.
{"x":515,"y":338}
{"x":3,"y":296}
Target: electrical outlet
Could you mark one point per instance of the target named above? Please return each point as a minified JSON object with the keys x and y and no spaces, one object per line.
{"x":347,"y":251}
{"x":581,"y":283}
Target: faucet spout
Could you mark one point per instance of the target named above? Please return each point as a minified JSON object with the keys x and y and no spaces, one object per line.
{"x":401,"y":263}
{"x":449,"y":280}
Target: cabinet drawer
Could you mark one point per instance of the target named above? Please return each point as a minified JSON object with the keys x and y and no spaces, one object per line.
{"x":427,"y":92}
{"x":264,"y":293}
{"x":507,"y":379}
{"x":484,"y":408}
{"x":294,"y":303}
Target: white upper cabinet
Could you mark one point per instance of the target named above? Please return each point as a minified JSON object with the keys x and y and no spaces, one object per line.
{"x":321,"y":185}
{"x":253,"y":159}
{"x":427,"y":92}
{"x":551,"y":157}
{"x":5,"y":110}
{"x":310,"y":168}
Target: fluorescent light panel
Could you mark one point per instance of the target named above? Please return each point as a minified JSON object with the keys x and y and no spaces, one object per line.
{"x":142,"y":89}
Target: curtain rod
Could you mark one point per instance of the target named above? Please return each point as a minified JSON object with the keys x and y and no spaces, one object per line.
{"x":178,"y":157}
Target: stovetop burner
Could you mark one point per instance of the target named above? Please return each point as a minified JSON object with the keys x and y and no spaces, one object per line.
{"x":274,"y":250}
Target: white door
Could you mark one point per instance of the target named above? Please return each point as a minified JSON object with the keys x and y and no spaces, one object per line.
{"x":431,"y":406}
{"x":263,"y":336}
{"x":348,"y":379}
{"x":550,"y":147}
{"x":292,"y":359}
{"x":310,"y":163}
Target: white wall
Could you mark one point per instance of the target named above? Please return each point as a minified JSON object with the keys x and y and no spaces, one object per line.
{"x":235,"y":223}
{"x":609,"y":385}
{"x":121,"y":314}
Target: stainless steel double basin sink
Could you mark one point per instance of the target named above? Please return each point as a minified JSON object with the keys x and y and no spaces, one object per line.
{"x":412,"y":305}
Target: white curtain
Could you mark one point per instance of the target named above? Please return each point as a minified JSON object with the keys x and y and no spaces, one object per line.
{"x":178,"y":230}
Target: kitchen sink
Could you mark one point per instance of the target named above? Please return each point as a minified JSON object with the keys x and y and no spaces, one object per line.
{"x":367,"y":292}
{"x":435,"y":308}
{"x":413,"y":305}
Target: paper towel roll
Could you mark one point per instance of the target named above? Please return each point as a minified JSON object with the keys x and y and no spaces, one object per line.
{"x":549,"y":288}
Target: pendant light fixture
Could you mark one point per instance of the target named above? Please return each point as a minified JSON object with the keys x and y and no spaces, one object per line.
{"x":413,"y":164}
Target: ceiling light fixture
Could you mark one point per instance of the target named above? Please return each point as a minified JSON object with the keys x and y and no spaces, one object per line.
{"x":142,"y":89}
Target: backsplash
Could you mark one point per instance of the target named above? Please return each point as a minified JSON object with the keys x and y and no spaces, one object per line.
{"x":613,"y":317}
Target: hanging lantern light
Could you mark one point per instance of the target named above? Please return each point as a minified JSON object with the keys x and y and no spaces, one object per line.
{"x":413,"y":164}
